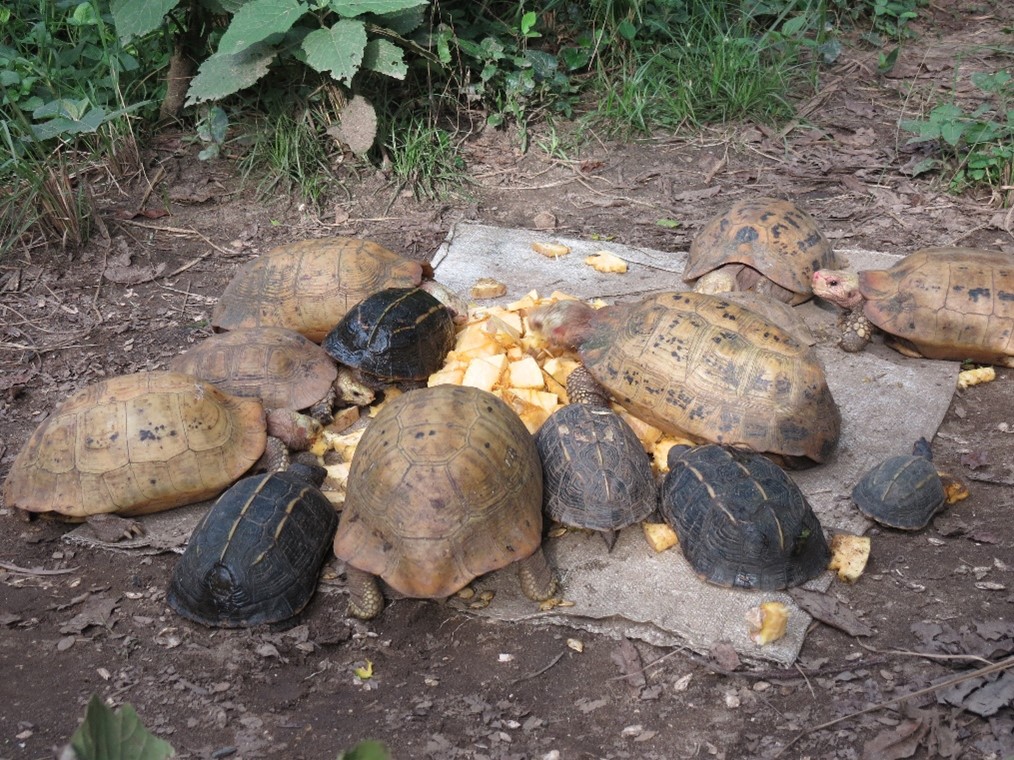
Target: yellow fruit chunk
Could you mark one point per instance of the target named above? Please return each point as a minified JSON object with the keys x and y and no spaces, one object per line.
{"x":767,"y":622}
{"x":487,"y":287}
{"x":484,"y":371}
{"x":606,"y":262}
{"x":552,"y":250}
{"x":525,"y":373}
{"x":849,"y":555}
{"x":659,"y":536}
{"x":448,"y":376}
{"x":970,"y":377}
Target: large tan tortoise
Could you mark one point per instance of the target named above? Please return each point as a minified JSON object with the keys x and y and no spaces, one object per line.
{"x":939,"y":303}
{"x":285,"y":370}
{"x":445,"y":485}
{"x":136,"y":444}
{"x":309,"y":285}
{"x":700,"y":366}
{"x":764,"y":245}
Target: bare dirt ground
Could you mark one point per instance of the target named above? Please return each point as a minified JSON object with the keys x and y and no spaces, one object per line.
{"x":75,"y":621}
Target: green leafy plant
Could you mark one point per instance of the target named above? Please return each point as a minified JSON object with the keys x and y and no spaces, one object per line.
{"x":106,"y":734}
{"x":67,"y":93}
{"x":976,"y":147}
{"x":333,"y":37}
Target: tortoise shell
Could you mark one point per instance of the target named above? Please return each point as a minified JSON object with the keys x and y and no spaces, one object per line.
{"x":765,"y":244}
{"x":595,"y":472}
{"x":902,"y":492}
{"x":394,"y":334}
{"x":279,"y":366}
{"x":309,"y":285}
{"x":255,"y":556}
{"x":445,"y":485}
{"x":946,"y":303}
{"x":741,"y":521}
{"x":136,"y":444}
{"x":699,"y":366}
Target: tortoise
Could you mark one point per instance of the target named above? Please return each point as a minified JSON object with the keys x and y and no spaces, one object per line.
{"x":282,"y":368}
{"x":741,"y":520}
{"x":136,"y":444}
{"x":445,"y":485}
{"x":394,"y":335}
{"x":699,"y":366}
{"x":307,"y":286}
{"x":255,"y":557}
{"x":903,"y":491}
{"x":939,"y":303}
{"x":595,"y":472}
{"x":765,"y":245}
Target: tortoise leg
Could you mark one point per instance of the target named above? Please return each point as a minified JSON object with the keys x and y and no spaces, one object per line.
{"x":856,"y":331}
{"x":110,"y":528}
{"x":275,"y":457}
{"x":322,"y":410}
{"x":537,"y":580}
{"x":366,"y":600}
{"x":609,"y":536}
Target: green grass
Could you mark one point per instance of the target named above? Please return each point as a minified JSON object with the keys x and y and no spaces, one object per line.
{"x":426,"y":159}
{"x":710,"y":69}
{"x":292,"y":155}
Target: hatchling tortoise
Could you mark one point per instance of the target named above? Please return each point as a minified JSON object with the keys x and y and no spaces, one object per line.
{"x":445,"y":485}
{"x":741,"y":521}
{"x":940,"y":303}
{"x":395,"y":335}
{"x":308,"y":286}
{"x":136,"y":444}
{"x":256,"y":555}
{"x":696,"y":365}
{"x":279,"y":366}
{"x":765,"y":245}
{"x":595,"y":472}
{"x":903,"y":491}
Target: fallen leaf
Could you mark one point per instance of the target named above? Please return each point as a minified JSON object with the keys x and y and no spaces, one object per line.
{"x":984,"y":696}
{"x":628,"y":660}
{"x":975,"y":460}
{"x":830,"y":611}
{"x":899,"y":742}
{"x":98,"y":610}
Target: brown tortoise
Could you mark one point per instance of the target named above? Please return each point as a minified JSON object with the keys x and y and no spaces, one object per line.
{"x":940,"y":303}
{"x":136,"y":444}
{"x":308,"y":286}
{"x":445,"y":485}
{"x":700,"y":366}
{"x":279,"y":366}
{"x":765,"y":245}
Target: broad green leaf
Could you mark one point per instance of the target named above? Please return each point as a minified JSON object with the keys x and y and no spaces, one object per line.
{"x":368,"y":750}
{"x":338,"y":50}
{"x":794,"y":26}
{"x":222,"y":75}
{"x":258,"y":20}
{"x":353,"y":8}
{"x":951,"y":132}
{"x":386,"y":58}
{"x":135,"y":18}
{"x":119,"y":735}
{"x":404,"y":21}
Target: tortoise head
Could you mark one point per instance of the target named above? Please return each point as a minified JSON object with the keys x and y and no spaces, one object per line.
{"x":838,"y":287}
{"x":563,"y":324}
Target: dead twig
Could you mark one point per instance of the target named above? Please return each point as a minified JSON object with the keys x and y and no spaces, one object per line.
{"x":10,"y":566}
{"x":993,"y":668}
{"x":541,"y":670}
{"x":927,"y":655}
